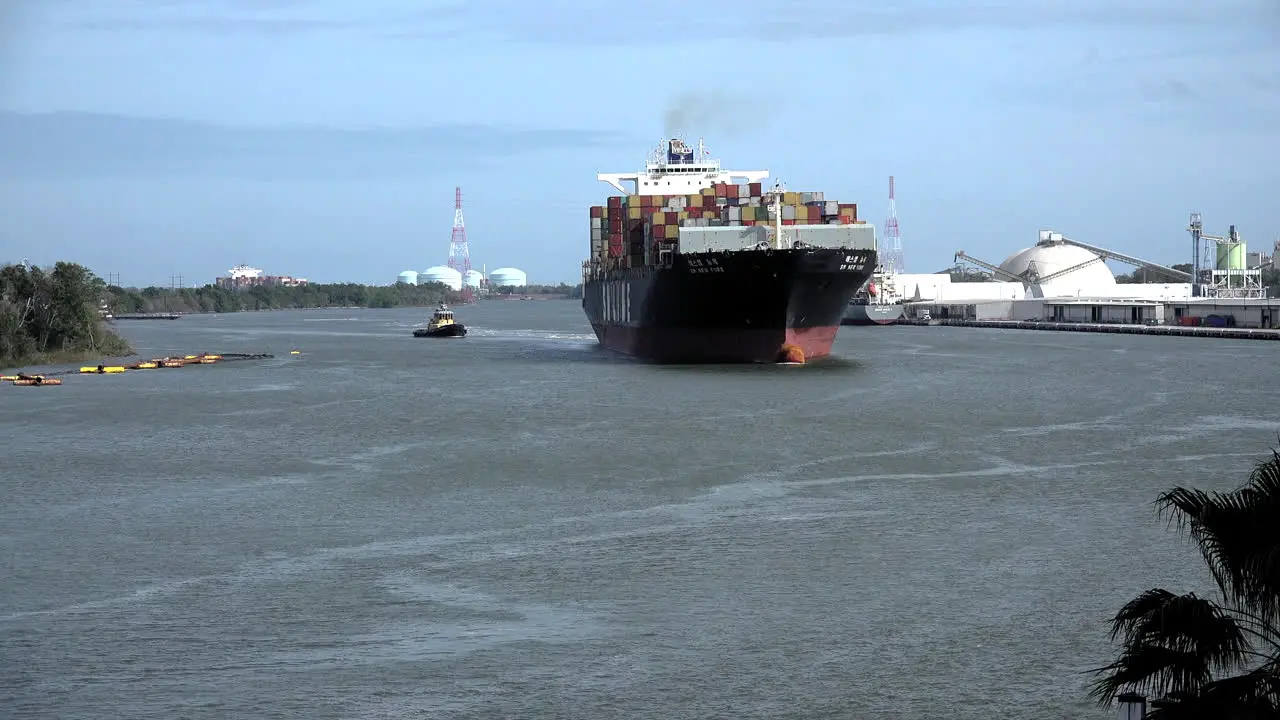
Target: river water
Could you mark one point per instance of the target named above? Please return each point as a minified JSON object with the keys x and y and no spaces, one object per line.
{"x":936,"y":522}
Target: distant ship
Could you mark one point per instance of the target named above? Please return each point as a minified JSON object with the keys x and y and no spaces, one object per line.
{"x":690,"y":268}
{"x":442,"y":325}
{"x":876,"y":303}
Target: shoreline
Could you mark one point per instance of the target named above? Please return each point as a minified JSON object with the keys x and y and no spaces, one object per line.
{"x":61,"y":357}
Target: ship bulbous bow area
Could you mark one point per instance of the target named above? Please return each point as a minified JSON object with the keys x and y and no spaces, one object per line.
{"x":728,"y":307}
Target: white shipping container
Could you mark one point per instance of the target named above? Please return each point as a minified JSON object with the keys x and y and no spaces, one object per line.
{"x":597,"y":223}
{"x":852,"y":237}
{"x":735,"y":213}
{"x":788,"y":212}
{"x":597,"y":234}
{"x":831,"y":207}
{"x":719,"y":239}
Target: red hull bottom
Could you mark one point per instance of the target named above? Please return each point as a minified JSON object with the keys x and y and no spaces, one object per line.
{"x":693,"y":345}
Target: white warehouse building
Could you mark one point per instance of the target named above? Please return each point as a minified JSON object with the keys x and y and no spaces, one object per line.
{"x":508,"y":277}
{"x":408,"y":277}
{"x":441,"y":274}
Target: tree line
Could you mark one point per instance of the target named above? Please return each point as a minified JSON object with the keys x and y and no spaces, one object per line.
{"x":53,"y":315}
{"x":218,"y":299}
{"x":571,"y":292}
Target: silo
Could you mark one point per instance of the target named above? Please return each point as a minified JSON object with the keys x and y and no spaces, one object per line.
{"x":507,"y":277}
{"x":1231,"y":256}
{"x":441,"y":274}
{"x":408,"y":277}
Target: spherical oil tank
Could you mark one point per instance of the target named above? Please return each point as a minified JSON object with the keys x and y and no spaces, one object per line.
{"x":441,"y":274}
{"x":508,"y":277}
{"x":408,"y":277}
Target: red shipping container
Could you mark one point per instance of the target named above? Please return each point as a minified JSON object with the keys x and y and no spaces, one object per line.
{"x":615,"y":201}
{"x":731,"y":191}
{"x":754,"y":189}
{"x":615,"y":251}
{"x":615,"y":227}
{"x":788,"y":222}
{"x":615,"y":214}
{"x":597,"y":211}
{"x":748,"y":222}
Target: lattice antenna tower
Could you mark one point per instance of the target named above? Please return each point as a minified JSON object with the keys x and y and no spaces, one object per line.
{"x":893,"y":261}
{"x":459,"y":251}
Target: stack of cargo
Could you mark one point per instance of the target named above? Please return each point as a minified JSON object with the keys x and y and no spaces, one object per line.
{"x":627,"y":230}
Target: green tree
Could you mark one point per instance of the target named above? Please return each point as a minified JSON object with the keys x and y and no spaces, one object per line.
{"x":1217,"y":657}
{"x":53,"y":313}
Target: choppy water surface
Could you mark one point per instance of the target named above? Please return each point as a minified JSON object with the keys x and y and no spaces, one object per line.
{"x":520,"y":525}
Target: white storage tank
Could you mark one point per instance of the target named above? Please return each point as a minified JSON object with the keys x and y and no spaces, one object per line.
{"x":473,"y":278}
{"x":408,"y":277}
{"x":441,"y":274}
{"x":507,"y":277}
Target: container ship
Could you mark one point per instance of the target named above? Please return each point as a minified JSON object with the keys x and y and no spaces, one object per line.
{"x":874,"y":304}
{"x":688,"y":266}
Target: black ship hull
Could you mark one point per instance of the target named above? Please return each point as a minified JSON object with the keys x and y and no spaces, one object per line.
{"x":733,"y":307}
{"x":448,"y":331}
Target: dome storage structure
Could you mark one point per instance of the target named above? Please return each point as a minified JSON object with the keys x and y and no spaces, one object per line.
{"x":1084,"y":273}
{"x":508,"y":277}
{"x":441,"y":274}
{"x":408,"y":277}
{"x":473,"y":278}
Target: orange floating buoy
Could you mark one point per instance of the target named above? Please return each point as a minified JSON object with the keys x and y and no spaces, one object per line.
{"x":791,"y":354}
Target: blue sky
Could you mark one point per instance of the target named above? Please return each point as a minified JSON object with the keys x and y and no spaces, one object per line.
{"x":324,"y":138}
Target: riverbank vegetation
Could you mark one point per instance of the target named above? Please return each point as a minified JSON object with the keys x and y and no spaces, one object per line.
{"x":563,"y":290}
{"x":53,"y":315}
{"x":216,"y":299}
{"x":1210,"y":657}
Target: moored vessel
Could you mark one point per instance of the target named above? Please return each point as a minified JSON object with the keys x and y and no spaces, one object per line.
{"x":689,"y":267}
{"x":876,"y":303}
{"x":442,"y":325}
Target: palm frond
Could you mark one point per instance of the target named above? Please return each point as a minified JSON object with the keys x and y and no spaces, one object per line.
{"x":1238,"y":534}
{"x":1172,"y":643}
{"x":1252,"y":696}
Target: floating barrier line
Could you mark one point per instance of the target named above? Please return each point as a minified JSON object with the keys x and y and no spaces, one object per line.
{"x":152,"y":364}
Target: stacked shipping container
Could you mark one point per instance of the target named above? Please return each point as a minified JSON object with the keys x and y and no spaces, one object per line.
{"x":628,"y":226}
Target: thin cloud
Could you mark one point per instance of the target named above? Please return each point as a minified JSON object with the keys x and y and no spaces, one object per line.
{"x":656,"y":22}
{"x":93,"y":145}
{"x":653,"y":22}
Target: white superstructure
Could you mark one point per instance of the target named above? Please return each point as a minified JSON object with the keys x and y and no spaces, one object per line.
{"x":674,"y":168}
{"x":244,"y":271}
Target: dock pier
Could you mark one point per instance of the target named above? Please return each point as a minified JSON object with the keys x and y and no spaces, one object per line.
{"x":1117,"y":328}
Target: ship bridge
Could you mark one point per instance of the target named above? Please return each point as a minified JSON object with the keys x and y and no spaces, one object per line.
{"x":675,"y":169}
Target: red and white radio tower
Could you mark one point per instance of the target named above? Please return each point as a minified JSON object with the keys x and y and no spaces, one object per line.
{"x":892,"y":262}
{"x":459,"y":252}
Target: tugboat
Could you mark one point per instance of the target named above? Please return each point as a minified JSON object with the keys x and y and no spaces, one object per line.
{"x":442,"y":325}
